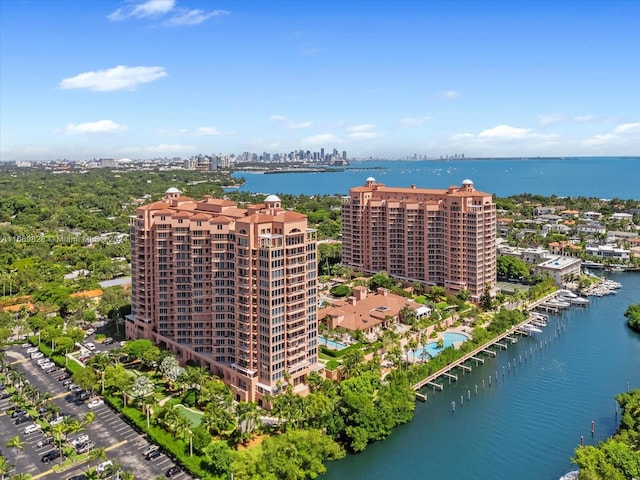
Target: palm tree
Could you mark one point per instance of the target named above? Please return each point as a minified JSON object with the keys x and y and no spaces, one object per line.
{"x":97,"y":454}
{"x":5,"y":466}
{"x":125,"y":475}
{"x":248,"y":418}
{"x":17,"y":444}
{"x":91,"y":474}
{"x":59,"y":434}
{"x":182,"y":428}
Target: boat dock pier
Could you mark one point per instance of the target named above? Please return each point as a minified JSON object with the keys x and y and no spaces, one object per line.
{"x":474,"y":355}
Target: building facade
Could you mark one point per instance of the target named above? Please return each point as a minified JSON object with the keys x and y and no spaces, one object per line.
{"x":233,"y":289}
{"x":443,"y":237}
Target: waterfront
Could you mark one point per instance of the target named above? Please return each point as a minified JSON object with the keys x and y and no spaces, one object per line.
{"x":600,"y":177}
{"x":527,"y":424}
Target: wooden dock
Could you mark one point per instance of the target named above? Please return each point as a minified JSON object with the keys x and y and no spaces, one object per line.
{"x":473,"y":355}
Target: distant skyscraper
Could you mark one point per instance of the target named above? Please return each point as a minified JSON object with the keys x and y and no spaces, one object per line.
{"x":232,"y":289}
{"x":439,"y":237}
{"x":322,"y":154}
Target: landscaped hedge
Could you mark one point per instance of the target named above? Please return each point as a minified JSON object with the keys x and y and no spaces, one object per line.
{"x":339,"y":353}
{"x":177,"y":447}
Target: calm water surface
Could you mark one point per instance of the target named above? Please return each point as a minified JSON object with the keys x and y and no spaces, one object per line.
{"x":527,"y":425}
{"x":601,"y":177}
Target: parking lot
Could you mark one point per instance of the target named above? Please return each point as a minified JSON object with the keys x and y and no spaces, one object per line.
{"x":123,"y":444}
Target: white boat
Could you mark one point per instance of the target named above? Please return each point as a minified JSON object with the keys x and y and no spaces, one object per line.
{"x":530,"y":328}
{"x":580,"y":301}
{"x":566,"y":294}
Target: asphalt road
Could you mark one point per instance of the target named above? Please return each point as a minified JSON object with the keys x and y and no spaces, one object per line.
{"x":123,"y":444}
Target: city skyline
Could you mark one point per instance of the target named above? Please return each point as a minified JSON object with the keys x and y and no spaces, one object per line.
{"x":156,"y":78}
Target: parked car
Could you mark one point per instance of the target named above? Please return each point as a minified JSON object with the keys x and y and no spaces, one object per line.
{"x":23,"y":419}
{"x":34,"y":427}
{"x":173,"y":471}
{"x":85,"y":447}
{"x":36,"y":355}
{"x":84,"y":358}
{"x":91,"y":331}
{"x":48,"y":365}
{"x":84,"y":438}
{"x":104,"y":466}
{"x":95,"y":403}
{"x":32,"y":350}
{"x":68,"y":381}
{"x":108,"y":341}
{"x":50,"y":456}
{"x":149,"y":449}
{"x":82,"y":476}
{"x":84,"y":396}
{"x":18,"y":413}
{"x":42,"y":360}
{"x":52,"y":369}
{"x":90,"y":346}
{"x":2,"y":386}
{"x":62,"y":377}
{"x":44,"y":442}
{"x":25,"y":345}
{"x":57,"y":420}
{"x":5,"y":395}
{"x":154,"y":454}
{"x":74,"y":388}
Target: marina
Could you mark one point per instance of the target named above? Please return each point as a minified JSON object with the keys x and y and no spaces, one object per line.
{"x":555,"y":383}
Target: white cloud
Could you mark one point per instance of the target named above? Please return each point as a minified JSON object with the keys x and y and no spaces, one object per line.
{"x":361,"y":128}
{"x":193,"y":17}
{"x":319,"y":139}
{"x":601,"y":139}
{"x":504,"y":131}
{"x":197,"y":132}
{"x":363,"y":135}
{"x":415,"y":120}
{"x":288,"y":123}
{"x":559,"y":117}
{"x":120,"y":77}
{"x":101,"y":126}
{"x":450,"y":95}
{"x":628,"y":128}
{"x":142,"y":10}
{"x":162,"y":149}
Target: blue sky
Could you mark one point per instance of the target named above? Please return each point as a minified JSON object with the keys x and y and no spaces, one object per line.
{"x":163,"y":78}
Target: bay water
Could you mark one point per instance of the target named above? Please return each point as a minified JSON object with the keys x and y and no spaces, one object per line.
{"x":600,"y":177}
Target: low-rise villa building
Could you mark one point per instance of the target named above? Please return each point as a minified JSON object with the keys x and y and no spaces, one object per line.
{"x":560,"y":268}
{"x":369,"y":312}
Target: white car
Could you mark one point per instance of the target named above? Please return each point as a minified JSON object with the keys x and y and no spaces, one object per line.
{"x":95,"y":403}
{"x":34,"y":427}
{"x":32,"y":350}
{"x":57,"y":420}
{"x":91,"y":331}
{"x":42,"y":360}
{"x":47,"y":365}
{"x":80,"y":440}
{"x":37,"y":355}
{"x":90,"y":346}
{"x":104,"y":466}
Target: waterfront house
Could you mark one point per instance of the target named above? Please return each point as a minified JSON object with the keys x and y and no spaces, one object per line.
{"x":560,"y":268}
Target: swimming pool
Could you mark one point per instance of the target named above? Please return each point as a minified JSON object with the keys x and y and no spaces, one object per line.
{"x":332,"y":344}
{"x":431,"y":349}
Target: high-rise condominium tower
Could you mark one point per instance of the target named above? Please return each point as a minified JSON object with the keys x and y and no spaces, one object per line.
{"x":232,"y":289}
{"x":443,"y":237}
